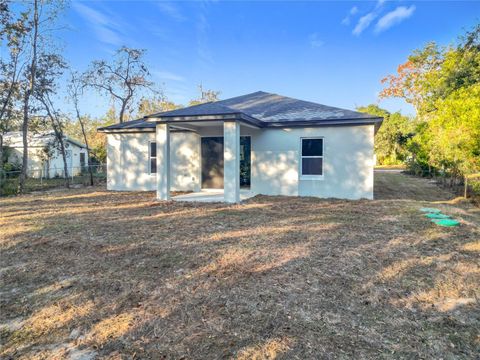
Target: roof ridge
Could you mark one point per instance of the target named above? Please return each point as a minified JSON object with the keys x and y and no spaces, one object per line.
{"x":186,"y":107}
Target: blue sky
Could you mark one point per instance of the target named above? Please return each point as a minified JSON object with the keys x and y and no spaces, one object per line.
{"x":334,"y":53}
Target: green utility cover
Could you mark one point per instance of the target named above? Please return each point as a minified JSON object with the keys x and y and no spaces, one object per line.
{"x":446,"y":222}
{"x":430,"y":210}
{"x":437,"y":216}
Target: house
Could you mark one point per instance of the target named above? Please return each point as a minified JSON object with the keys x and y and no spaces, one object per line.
{"x":259,"y":143}
{"x":44,"y":157}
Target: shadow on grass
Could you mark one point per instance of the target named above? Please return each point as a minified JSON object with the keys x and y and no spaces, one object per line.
{"x":275,"y":276}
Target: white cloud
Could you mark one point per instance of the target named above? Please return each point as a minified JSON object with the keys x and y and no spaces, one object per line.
{"x":352,"y":12}
{"x":364,"y":23}
{"x":170,"y":10}
{"x":394,"y":17}
{"x":315,"y":42}
{"x":167,"y":75}
{"x":106,"y":29}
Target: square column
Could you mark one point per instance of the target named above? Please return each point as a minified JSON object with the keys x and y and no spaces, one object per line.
{"x":231,"y":161}
{"x":163,"y":161}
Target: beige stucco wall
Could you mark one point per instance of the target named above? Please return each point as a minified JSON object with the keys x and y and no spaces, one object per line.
{"x":128,"y":162}
{"x":348,"y":161}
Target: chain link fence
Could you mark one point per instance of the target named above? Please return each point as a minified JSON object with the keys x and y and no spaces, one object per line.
{"x":39,"y":179}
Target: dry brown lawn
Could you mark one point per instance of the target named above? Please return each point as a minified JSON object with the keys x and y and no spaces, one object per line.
{"x":93,"y":274}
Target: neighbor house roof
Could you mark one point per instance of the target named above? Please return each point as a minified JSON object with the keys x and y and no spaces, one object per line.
{"x":15,"y":139}
{"x":261,"y":109}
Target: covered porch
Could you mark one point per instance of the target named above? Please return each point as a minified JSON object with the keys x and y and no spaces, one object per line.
{"x":222,"y":144}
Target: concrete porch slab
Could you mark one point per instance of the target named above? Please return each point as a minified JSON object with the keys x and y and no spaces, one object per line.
{"x":210,"y":195}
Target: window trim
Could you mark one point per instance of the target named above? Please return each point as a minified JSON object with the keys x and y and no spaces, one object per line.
{"x":150,"y":157}
{"x":307,"y":176}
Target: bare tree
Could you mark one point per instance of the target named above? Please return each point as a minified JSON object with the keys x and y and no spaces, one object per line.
{"x":50,"y":68}
{"x":75,"y":91}
{"x":56,"y":122}
{"x":30,"y":77}
{"x":205,"y":95}
{"x":37,"y":18}
{"x":13,"y":32}
{"x":123,"y":79}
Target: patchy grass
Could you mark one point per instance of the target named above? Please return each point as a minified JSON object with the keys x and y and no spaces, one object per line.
{"x":101,"y":274}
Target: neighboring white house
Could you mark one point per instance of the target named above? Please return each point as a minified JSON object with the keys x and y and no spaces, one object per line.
{"x":44,"y":157}
{"x":266,"y":143}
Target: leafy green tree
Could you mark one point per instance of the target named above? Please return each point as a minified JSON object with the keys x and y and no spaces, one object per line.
{"x":443,"y":85}
{"x":413,"y":81}
{"x":392,"y":137}
{"x":454,"y":132}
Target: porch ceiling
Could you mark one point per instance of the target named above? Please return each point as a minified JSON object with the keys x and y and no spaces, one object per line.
{"x":198,"y":125}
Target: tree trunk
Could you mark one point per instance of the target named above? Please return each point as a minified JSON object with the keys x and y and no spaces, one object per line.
{"x":64,"y":157}
{"x":59,"y":135}
{"x":28,"y":92}
{"x":124,"y":108}
{"x":23,"y":174}
{"x":465,"y":189}
{"x":60,"y":139}
{"x":122,"y":111}
{"x":1,"y":164}
{"x":90,"y":170}
{"x":1,"y":152}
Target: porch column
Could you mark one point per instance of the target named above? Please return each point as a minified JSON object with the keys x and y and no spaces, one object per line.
{"x":163,"y":161}
{"x":231,"y":161}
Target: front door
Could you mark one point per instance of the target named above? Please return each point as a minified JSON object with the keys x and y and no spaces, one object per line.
{"x":212,"y":162}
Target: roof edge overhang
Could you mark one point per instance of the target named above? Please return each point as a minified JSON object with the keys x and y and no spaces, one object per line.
{"x":129,"y":130}
{"x":326,"y":122}
{"x":172,"y":120}
{"x":138,"y":130}
{"x":211,"y":117}
{"x":75,"y":142}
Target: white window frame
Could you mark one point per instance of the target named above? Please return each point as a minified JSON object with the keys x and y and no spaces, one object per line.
{"x":150,"y":157}
{"x":306,"y":176}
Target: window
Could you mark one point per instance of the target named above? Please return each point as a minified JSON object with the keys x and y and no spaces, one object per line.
{"x":312,"y":158}
{"x":153,"y":157}
{"x":82,"y":162}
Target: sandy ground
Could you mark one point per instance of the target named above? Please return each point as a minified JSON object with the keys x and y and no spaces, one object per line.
{"x":90,"y":274}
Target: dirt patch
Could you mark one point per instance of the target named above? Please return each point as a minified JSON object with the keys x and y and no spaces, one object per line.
{"x":112,"y":275}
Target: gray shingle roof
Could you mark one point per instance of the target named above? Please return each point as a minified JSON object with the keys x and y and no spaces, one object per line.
{"x":268,"y":107}
{"x":263,"y":109}
{"x":138,"y":124}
